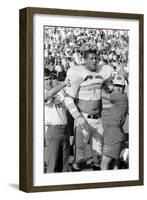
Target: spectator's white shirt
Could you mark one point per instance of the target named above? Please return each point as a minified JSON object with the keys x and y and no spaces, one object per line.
{"x":58,"y":68}
{"x":118,"y":51}
{"x":76,"y":32}
{"x":54,"y":114}
{"x":127,"y":69}
{"x":114,"y":57}
{"x":101,"y":63}
{"x":46,"y":53}
{"x":72,"y":64}
{"x":110,"y":56}
{"x":64,"y":62}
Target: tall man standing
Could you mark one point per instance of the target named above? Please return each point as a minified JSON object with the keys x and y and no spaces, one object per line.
{"x":84,"y":101}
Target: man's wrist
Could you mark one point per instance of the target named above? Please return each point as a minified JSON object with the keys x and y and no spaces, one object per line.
{"x":79,"y":116}
{"x":76,"y":115}
{"x":72,"y":107}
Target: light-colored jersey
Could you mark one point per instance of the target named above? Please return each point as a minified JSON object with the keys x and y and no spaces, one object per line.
{"x":85,"y":84}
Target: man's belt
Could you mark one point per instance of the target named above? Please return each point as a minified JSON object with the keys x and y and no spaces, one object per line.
{"x":57,"y":126}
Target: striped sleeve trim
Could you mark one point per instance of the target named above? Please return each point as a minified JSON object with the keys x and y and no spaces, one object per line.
{"x":72,"y":107}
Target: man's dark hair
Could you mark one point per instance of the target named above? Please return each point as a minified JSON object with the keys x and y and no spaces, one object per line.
{"x":89,"y":51}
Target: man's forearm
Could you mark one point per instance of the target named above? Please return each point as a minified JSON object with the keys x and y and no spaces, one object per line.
{"x":54,"y":90}
{"x":69,"y":102}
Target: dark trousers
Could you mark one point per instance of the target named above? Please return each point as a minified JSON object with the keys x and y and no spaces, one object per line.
{"x":57,"y":149}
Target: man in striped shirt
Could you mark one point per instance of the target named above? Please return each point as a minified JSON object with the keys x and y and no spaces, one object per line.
{"x":84,"y":101}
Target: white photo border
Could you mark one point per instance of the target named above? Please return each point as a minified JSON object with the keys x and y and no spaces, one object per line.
{"x":39,"y":177}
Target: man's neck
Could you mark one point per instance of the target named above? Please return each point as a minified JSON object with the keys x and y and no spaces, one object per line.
{"x":99,"y":68}
{"x":89,"y":69}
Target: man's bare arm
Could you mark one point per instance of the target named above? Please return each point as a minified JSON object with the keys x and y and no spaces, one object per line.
{"x":54,"y":90}
{"x":105,"y":95}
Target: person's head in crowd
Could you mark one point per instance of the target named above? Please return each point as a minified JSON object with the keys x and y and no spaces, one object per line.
{"x":47,"y":83}
{"x":75,"y":50}
{"x":69,"y":59}
{"x":54,"y":80}
{"x":62,"y":68}
{"x":105,"y":61}
{"x":51,"y":66}
{"x":119,"y":84}
{"x":114,"y":68}
{"x":59,"y":62}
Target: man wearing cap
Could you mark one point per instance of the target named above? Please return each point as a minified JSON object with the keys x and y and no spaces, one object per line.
{"x":83,"y":100}
{"x":114,"y":136}
{"x":57,"y":149}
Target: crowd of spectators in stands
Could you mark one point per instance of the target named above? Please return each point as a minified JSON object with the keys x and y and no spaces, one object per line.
{"x":64,"y":48}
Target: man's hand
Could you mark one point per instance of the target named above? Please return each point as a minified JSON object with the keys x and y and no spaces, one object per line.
{"x":97,"y":136}
{"x":81,"y":121}
{"x":67,"y":83}
{"x":57,"y":102}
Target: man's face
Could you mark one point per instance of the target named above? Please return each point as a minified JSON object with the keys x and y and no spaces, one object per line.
{"x":62,"y":67}
{"x":91,"y":62}
{"x":47,"y":83}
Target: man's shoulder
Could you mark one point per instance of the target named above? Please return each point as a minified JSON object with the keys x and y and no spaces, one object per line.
{"x":106,"y":71}
{"x":79,"y":67}
{"x":74,"y":74}
{"x":76,"y":70}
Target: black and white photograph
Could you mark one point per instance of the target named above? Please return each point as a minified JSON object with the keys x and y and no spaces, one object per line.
{"x":86,"y":92}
